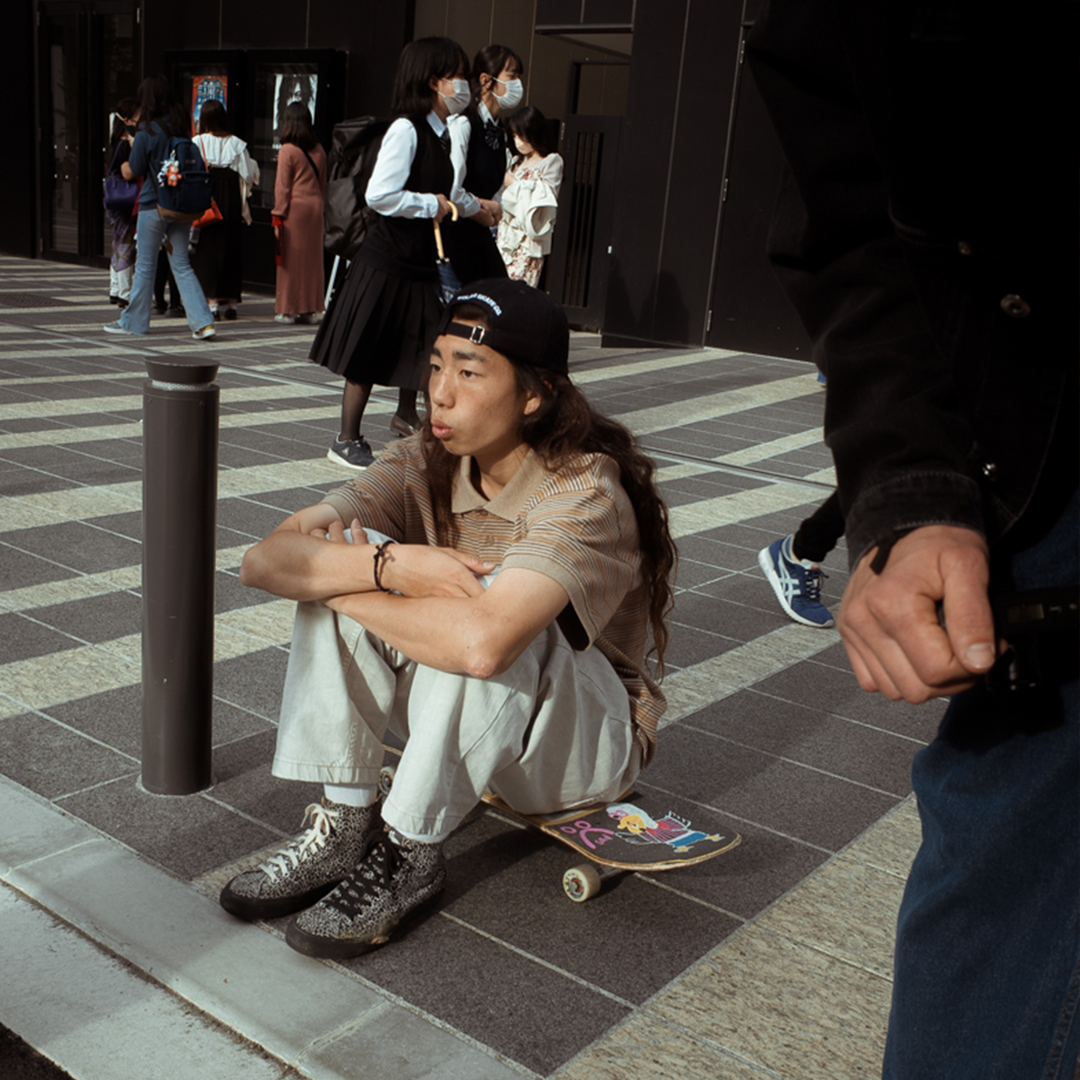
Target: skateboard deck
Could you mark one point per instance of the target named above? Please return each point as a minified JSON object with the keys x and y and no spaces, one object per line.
{"x":634,"y":833}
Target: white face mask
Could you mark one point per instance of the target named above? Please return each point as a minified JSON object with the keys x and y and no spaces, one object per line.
{"x":513,"y":94}
{"x":458,"y":101}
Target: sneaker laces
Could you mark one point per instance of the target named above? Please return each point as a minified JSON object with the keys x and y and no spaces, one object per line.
{"x":380,"y":861}
{"x":296,"y":851}
{"x":812,"y":586}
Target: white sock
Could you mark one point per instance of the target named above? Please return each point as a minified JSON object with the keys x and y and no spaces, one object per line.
{"x":352,"y":794}
{"x":426,"y":838}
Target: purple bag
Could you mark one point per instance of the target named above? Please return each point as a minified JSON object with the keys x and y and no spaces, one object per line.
{"x":120,"y":194}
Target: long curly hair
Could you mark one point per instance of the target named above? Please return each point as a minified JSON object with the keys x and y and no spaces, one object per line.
{"x":561,"y":428}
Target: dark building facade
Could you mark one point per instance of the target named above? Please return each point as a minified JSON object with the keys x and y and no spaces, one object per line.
{"x":671,"y":166}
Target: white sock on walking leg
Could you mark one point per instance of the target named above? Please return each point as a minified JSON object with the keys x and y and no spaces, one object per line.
{"x":352,"y":794}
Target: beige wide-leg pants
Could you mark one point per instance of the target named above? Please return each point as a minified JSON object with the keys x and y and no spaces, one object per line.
{"x":552,"y":732}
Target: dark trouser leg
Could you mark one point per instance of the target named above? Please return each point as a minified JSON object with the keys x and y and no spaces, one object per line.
{"x":819,"y":533}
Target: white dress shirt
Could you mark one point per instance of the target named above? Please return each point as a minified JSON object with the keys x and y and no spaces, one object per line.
{"x":460,"y":131}
{"x":386,"y":192}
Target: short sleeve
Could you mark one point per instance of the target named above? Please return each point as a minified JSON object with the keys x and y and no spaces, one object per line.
{"x":378,"y":497}
{"x":582,"y":532}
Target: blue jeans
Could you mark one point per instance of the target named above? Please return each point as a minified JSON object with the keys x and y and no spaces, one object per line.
{"x":151,"y":229}
{"x":987,"y":967}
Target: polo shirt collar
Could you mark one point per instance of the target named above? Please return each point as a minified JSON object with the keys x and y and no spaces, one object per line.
{"x":510,"y":501}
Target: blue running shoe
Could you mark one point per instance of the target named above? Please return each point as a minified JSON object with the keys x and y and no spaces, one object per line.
{"x":797,"y":584}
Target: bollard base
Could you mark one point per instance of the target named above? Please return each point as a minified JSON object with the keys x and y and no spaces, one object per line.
{"x":141,"y":786}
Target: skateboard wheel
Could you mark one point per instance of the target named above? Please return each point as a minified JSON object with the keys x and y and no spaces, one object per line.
{"x":386,"y":779}
{"x":581,"y":883}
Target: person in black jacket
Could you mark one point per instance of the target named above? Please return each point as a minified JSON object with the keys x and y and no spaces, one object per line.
{"x":925,"y":235}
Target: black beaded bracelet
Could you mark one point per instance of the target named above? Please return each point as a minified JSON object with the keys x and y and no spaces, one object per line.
{"x":380,"y":554}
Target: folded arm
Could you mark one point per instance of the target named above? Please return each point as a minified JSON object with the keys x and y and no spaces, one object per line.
{"x":480,"y":635}
{"x":297,"y":562}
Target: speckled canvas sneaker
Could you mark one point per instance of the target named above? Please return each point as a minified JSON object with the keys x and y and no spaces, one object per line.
{"x":307,"y":868}
{"x":395,"y":876}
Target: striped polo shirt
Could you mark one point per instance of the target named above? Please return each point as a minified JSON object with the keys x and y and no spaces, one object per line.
{"x":576,"y":525}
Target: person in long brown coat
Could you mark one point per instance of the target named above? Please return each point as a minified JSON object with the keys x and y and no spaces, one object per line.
{"x":299,"y":194}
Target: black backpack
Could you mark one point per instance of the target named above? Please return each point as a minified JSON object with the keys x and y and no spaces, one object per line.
{"x":184,"y":190}
{"x":353,"y":149}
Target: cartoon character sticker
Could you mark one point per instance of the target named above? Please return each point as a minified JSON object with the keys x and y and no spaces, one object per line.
{"x":637,"y":827}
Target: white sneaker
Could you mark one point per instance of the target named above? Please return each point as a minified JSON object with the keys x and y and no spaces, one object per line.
{"x":204,"y":333}
{"x":281,"y":317}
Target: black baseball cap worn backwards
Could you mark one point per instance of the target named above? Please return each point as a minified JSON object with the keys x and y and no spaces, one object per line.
{"x":525,"y":324}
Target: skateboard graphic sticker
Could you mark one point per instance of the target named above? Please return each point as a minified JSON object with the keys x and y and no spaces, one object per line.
{"x":624,"y":833}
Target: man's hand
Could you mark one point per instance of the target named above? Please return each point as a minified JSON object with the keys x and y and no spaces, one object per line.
{"x":889,"y":622}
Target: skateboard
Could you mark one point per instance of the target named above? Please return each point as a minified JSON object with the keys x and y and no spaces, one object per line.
{"x":636,"y":833}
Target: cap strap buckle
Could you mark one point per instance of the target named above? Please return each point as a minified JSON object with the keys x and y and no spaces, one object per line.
{"x":476,"y":335}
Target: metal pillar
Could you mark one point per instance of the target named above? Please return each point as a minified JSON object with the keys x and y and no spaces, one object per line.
{"x":180,"y":450}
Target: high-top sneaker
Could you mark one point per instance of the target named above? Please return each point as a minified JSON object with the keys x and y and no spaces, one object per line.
{"x":395,"y":876}
{"x":308,"y":867}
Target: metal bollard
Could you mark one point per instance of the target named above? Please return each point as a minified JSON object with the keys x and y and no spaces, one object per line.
{"x":180,"y":453}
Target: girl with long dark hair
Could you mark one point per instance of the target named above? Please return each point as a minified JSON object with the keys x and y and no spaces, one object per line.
{"x":531,"y":196}
{"x":380,"y":324}
{"x":218,"y":247}
{"x":478,"y":143}
{"x":160,"y":118}
{"x":299,"y":198}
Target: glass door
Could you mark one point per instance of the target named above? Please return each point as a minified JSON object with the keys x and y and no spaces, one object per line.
{"x":86,"y":64}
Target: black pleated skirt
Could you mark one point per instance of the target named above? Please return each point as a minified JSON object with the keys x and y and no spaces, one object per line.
{"x":379,"y":329}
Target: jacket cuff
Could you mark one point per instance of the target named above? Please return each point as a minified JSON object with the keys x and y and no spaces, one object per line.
{"x":911,"y":501}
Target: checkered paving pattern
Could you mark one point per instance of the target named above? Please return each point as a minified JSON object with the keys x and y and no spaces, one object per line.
{"x":766,"y":734}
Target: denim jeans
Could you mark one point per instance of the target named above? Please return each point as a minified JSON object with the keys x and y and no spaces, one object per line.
{"x":151,"y":229}
{"x":987,"y":967}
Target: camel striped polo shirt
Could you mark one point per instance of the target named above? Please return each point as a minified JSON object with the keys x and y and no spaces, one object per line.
{"x":576,"y":526}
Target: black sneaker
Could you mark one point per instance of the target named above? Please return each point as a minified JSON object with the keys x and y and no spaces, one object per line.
{"x":353,"y":453}
{"x":395,"y":876}
{"x":307,"y":868}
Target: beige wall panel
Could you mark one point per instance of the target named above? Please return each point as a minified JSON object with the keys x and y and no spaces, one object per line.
{"x":547,"y":74}
{"x":430,"y":18}
{"x":512,"y":25}
{"x":469,"y":25}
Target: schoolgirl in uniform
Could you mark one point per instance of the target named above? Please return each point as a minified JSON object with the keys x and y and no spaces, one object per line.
{"x":380,"y":327}
{"x":478,"y":145}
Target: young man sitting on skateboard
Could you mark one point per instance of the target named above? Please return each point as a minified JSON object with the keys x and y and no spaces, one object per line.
{"x":486,"y":591}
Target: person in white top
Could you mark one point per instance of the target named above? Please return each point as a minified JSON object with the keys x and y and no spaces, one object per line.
{"x":216,"y":252}
{"x":381,"y":323}
{"x":530,"y":197}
